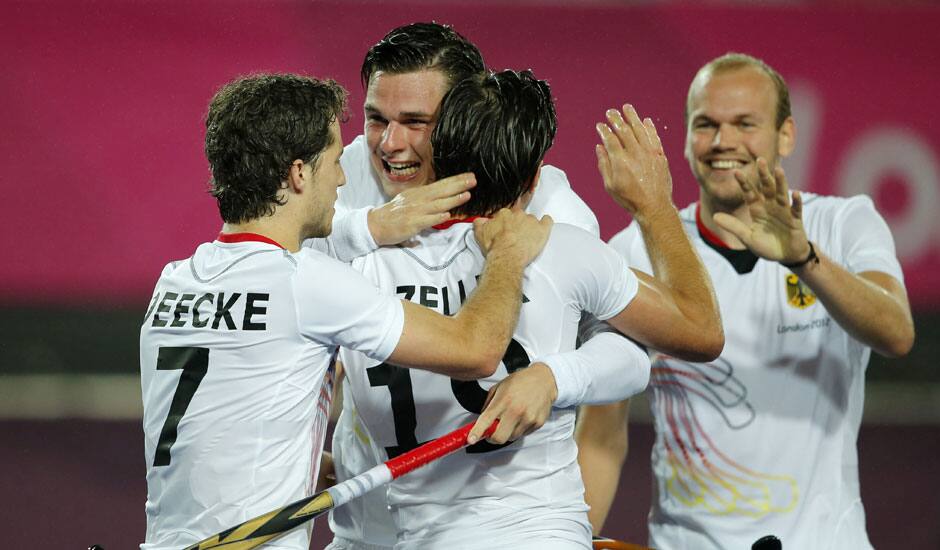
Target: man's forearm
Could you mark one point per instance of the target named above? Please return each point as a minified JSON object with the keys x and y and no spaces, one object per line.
{"x":489,"y":316}
{"x":601,"y":435}
{"x":471,"y":344}
{"x":676,"y":263}
{"x":607,"y":368}
{"x":678,"y":267}
{"x":350,"y":237}
{"x":871,"y":306}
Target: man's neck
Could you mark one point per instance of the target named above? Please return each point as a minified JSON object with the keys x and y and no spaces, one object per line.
{"x":288,"y":240}
{"x":708,"y":208}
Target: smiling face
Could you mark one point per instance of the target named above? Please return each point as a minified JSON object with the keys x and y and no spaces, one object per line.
{"x":732,"y":121}
{"x":400,"y":113}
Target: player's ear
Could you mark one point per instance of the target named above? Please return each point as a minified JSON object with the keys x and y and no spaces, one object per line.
{"x":295,"y":177}
{"x":786,"y":138}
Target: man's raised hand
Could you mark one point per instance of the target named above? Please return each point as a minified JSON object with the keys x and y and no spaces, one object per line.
{"x":775,"y":231}
{"x":632,"y":163}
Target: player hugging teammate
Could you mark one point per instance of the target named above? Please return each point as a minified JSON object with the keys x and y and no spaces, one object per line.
{"x":525,"y":489}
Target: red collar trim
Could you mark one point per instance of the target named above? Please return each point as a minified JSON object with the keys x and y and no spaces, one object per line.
{"x":449,"y":223}
{"x":245,"y":237}
{"x":705,"y":232}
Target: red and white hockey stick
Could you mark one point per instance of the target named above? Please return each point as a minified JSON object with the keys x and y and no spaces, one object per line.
{"x":257,"y":531}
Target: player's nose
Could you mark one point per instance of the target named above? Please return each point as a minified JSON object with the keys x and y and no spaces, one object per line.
{"x":725,"y":137}
{"x":393,"y":138}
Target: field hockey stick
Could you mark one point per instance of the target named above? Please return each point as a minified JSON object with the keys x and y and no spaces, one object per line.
{"x":604,"y":543}
{"x":257,"y":531}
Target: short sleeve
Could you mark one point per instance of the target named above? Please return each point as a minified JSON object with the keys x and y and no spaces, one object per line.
{"x":599,"y":280}
{"x":554,"y":196}
{"x":629,"y":244}
{"x":338,"y":306}
{"x":867,"y":244}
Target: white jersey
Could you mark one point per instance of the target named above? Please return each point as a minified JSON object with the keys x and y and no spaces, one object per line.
{"x":762,"y":440}
{"x":366,"y":519}
{"x":531,"y":490}
{"x":234,"y":351}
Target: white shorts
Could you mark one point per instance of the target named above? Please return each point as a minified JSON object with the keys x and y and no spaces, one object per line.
{"x":339,"y":543}
{"x":562,"y":532}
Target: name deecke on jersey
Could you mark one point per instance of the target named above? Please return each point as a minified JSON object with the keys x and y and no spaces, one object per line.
{"x":237,"y":350}
{"x":401,"y":408}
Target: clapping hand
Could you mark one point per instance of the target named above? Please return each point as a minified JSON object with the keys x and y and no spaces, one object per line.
{"x":775,"y":231}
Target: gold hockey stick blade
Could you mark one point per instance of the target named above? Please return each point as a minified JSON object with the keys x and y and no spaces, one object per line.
{"x":264,"y":528}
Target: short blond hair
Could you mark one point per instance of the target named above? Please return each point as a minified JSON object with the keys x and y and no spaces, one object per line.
{"x":734,"y":60}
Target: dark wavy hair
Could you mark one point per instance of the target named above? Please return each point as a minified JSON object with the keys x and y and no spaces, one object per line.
{"x":256,"y":127}
{"x":421,"y":46}
{"x":498,"y":126}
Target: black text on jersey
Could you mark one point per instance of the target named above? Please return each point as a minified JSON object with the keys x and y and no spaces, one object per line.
{"x":208,"y":310}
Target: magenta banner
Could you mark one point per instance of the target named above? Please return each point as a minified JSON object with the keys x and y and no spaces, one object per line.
{"x":103,"y":101}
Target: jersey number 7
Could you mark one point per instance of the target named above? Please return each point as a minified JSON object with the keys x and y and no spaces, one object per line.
{"x":194,"y":362}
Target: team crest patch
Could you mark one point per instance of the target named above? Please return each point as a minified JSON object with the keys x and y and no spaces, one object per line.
{"x":798,"y":294}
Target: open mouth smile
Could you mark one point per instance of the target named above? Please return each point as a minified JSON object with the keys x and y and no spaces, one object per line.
{"x":401,"y":169}
{"x":725,"y":164}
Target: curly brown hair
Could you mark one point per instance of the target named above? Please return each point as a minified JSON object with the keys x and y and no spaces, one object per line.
{"x":256,"y":127}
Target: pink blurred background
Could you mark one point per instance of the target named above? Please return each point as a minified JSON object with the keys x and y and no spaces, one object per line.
{"x":103,"y":103}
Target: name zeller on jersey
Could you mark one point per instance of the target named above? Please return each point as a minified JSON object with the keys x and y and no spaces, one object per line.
{"x":198,"y":311}
{"x":439,"y":298}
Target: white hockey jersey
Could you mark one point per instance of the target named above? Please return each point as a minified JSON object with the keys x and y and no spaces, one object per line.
{"x":532,"y":484}
{"x":366,"y":519}
{"x":234,"y":353}
{"x":762,"y":440}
